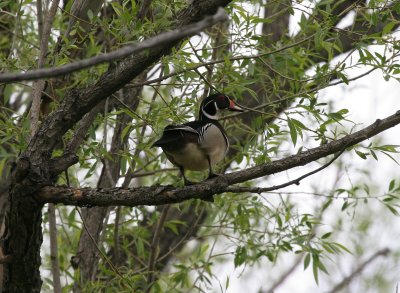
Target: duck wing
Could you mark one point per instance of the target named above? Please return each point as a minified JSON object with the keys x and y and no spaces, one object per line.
{"x":187,"y":132}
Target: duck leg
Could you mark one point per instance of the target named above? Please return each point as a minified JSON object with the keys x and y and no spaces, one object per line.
{"x":211,"y":174}
{"x":185,"y":180}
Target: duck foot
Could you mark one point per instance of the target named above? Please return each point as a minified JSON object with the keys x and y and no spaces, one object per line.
{"x":213,"y":175}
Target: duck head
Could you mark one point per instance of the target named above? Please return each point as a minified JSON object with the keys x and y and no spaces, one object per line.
{"x":212,"y":106}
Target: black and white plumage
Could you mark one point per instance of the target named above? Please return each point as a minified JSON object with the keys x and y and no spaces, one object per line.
{"x":199,"y":144}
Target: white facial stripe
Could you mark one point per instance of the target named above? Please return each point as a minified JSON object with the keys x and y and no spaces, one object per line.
{"x":217,"y":110}
{"x":213,"y":117}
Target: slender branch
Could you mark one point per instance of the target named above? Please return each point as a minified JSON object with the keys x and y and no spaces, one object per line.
{"x":284,"y":276}
{"x":158,"y":195}
{"x":39,"y":12}
{"x":38,"y":87}
{"x":296,"y":181}
{"x":161,"y":39}
{"x":347,"y":280}
{"x":213,"y":62}
{"x":186,"y":236}
{"x":55,"y":265}
{"x":98,"y":248}
{"x":82,"y":129}
{"x":116,"y":234}
{"x":154,"y":248}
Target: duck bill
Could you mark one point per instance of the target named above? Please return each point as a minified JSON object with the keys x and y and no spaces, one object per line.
{"x":235,"y":107}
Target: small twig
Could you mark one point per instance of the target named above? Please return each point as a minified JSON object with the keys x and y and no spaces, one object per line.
{"x":154,"y":248}
{"x":347,"y":280}
{"x":275,"y":187}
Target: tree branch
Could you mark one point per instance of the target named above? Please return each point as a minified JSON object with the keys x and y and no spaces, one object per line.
{"x":55,"y":265}
{"x":155,"y":249}
{"x":159,"y":40}
{"x":158,"y":195}
{"x":285,"y":275}
{"x":238,"y":189}
{"x":346,"y":281}
{"x":38,"y":86}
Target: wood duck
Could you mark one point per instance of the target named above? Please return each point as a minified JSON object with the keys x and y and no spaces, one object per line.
{"x":199,"y":144}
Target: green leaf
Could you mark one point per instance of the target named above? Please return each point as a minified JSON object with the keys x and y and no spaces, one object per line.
{"x":240,"y":256}
{"x":293,"y":131}
{"x":392,"y":184}
{"x":90,"y":14}
{"x":345,"y":206}
{"x":307,"y":261}
{"x":322,"y":267}
{"x":373,"y":154}
{"x":392,"y":209}
{"x":315,"y":267}
{"x":172,"y":227}
{"x":361,"y":155}
{"x":326,"y":235}
{"x":342,"y":247}
{"x":71,"y":217}
{"x":327,"y":204}
{"x":279,"y":221}
{"x":343,"y":77}
{"x":299,"y":124}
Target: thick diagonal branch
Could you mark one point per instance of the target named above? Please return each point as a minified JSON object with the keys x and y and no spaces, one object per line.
{"x":158,"y":195}
{"x":157,"y":41}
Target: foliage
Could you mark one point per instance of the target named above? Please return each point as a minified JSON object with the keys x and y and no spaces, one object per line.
{"x":282,"y":79}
